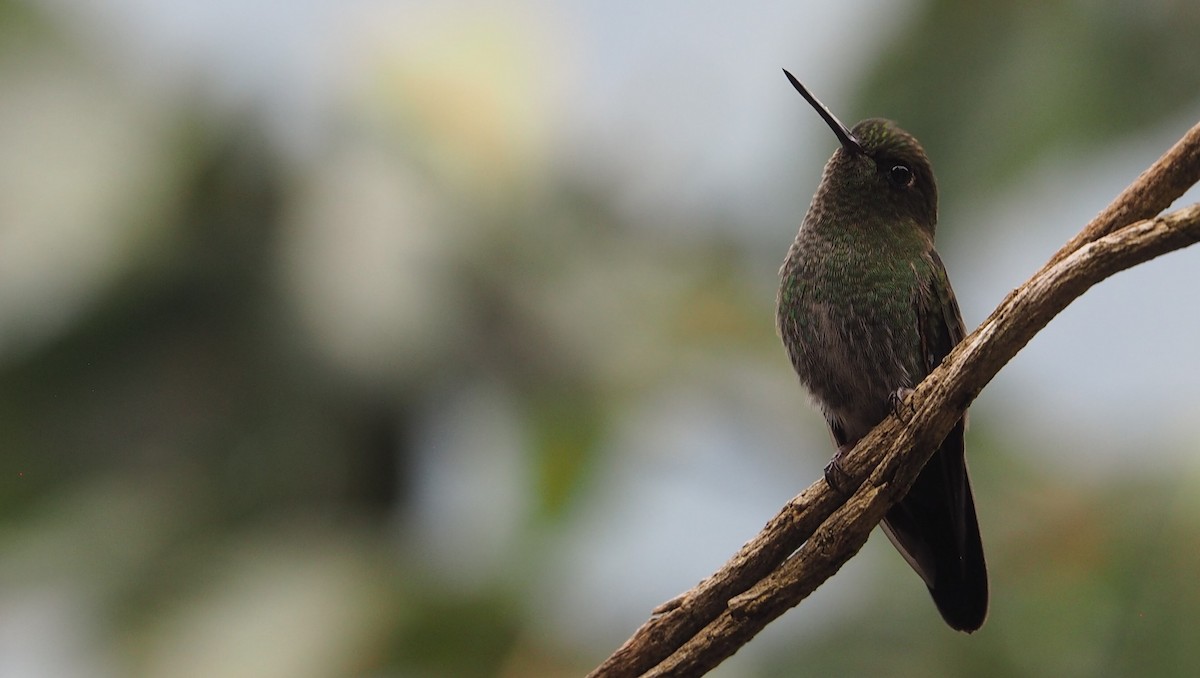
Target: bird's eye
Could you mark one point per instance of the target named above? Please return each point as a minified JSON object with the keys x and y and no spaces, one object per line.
{"x":901,"y":176}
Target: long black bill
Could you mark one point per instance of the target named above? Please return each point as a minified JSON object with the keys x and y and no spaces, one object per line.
{"x":849,"y":141}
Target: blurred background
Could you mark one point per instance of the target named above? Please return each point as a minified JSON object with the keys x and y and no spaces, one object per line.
{"x":367,"y":338}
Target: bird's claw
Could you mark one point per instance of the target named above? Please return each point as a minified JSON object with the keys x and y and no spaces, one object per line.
{"x":900,"y":405}
{"x":835,"y":476}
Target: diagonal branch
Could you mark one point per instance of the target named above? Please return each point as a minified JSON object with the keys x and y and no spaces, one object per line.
{"x":818,"y":531}
{"x":1160,"y":185}
{"x":901,"y":449}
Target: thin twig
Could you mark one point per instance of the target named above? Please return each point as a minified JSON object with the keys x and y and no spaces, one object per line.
{"x":1160,"y":185}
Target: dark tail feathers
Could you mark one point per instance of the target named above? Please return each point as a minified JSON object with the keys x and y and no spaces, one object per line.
{"x":934,"y":527}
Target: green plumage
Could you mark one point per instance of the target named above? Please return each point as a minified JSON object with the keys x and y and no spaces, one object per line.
{"x":856,"y":278}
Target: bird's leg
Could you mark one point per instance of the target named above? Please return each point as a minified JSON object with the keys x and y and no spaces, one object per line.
{"x":900,"y":405}
{"x":835,"y":476}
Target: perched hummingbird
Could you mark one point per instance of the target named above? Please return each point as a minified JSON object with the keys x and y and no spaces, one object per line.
{"x":865,"y":311}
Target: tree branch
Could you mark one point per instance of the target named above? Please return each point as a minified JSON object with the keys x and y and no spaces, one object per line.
{"x":819,"y":530}
{"x":1160,"y":185}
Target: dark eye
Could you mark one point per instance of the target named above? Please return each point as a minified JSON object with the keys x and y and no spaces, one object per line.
{"x":900,"y":175}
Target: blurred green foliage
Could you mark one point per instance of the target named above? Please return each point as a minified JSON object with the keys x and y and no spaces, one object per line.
{"x":159,"y":440}
{"x":990,"y":87}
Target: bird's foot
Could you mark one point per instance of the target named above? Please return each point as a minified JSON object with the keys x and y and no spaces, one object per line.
{"x":900,"y":405}
{"x":835,"y":476}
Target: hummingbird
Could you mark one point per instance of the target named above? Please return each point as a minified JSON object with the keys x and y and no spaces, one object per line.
{"x":865,"y":311}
